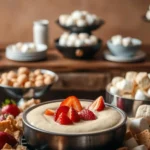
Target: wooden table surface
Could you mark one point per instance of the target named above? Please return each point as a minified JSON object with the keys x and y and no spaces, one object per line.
{"x":56,"y":62}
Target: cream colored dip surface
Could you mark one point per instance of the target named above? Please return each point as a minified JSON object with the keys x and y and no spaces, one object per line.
{"x":106,"y":119}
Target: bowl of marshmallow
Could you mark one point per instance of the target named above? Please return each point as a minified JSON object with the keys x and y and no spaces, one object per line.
{"x":80,"y":21}
{"x":123,"y":46}
{"x":129,"y":92}
{"x":78,"y":45}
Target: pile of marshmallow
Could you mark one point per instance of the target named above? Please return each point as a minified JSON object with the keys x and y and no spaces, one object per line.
{"x":138,"y":135}
{"x":79,"y":19}
{"x":119,"y":40}
{"x":77,"y":40}
{"x":133,"y":86}
{"x":148,"y":14}
{"x":24,"y":47}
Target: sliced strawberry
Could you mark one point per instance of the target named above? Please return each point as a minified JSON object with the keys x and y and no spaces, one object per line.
{"x":72,"y":101}
{"x":61,"y":109}
{"x":11,"y":109}
{"x":98,"y":104}
{"x":73,"y":115}
{"x":49,"y":112}
{"x":64,"y":119}
{"x":86,"y":114}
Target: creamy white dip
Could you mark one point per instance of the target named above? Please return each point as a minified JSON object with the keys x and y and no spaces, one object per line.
{"x":106,"y":119}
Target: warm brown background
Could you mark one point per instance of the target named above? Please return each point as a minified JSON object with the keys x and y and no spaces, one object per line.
{"x":121,"y":16}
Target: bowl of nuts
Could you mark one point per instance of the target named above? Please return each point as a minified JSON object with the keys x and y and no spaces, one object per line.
{"x":24,"y":83}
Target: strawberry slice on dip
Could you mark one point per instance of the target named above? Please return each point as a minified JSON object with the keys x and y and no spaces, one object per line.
{"x":98,"y":104}
{"x":86,"y":114}
{"x":73,"y":115}
{"x":73,"y":102}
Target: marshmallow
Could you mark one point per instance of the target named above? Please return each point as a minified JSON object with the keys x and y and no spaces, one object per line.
{"x":70,"y":43}
{"x":78,"y":43}
{"x":77,"y":15}
{"x":131,"y":75}
{"x":127,"y":41}
{"x":90,"y":20}
{"x":65,"y":35}
{"x":143,"y":80}
{"x":62,"y":42}
{"x":93,"y":39}
{"x":140,"y":95}
{"x":72,"y":37}
{"x":83,"y":36}
{"x":138,"y":125}
{"x":84,"y":12}
{"x":113,"y":90}
{"x":116,"y":40}
{"x":63,"y":19}
{"x":116,"y":79}
{"x":81,"y":23}
{"x":131,"y":143}
{"x":125,"y":85}
{"x":70,"y":21}
{"x":148,"y":15}
{"x":87,"y":42}
{"x":140,"y":147}
{"x":19,"y":45}
{"x":24,"y":48}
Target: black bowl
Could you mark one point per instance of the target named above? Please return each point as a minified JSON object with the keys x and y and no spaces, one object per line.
{"x":86,"y":29}
{"x":85,"y":52}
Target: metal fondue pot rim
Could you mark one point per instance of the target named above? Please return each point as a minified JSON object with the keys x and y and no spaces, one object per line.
{"x":122,"y":113}
{"x":117,"y":96}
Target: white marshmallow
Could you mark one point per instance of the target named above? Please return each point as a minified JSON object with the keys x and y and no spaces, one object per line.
{"x":84,"y":12}
{"x":148,"y":15}
{"x":125,"y":86}
{"x":78,"y":43}
{"x":138,"y":125}
{"x":140,"y":147}
{"x":87,"y":42}
{"x":24,"y":48}
{"x":83,"y":36}
{"x":96,"y":18}
{"x":93,"y":39}
{"x":140,"y":95}
{"x":127,"y":41}
{"x":77,"y":15}
{"x":63,"y":19}
{"x":70,"y":21}
{"x":131,"y":143}
{"x":62,"y":42}
{"x":31,"y":47}
{"x":65,"y":35}
{"x":116,"y":40}
{"x":81,"y":23}
{"x":90,"y":20}
{"x":19,"y":45}
{"x":116,"y":79}
{"x":72,"y":37}
{"x":114,"y":90}
{"x":70,"y":43}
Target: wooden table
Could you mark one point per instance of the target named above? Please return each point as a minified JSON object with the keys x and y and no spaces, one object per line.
{"x":87,"y":77}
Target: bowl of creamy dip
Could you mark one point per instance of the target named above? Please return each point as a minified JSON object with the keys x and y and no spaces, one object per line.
{"x":106,"y":132}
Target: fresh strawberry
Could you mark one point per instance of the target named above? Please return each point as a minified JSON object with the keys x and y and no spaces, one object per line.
{"x":98,"y":104}
{"x":64,"y":119}
{"x":7,"y":138}
{"x":72,"y":101}
{"x":86,"y":114}
{"x":10,"y":109}
{"x":61,"y":109}
{"x":49,"y":112}
{"x":73,"y":115}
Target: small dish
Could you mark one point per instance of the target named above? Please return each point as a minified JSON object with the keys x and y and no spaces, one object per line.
{"x":86,"y":29}
{"x":139,"y":56}
{"x":125,"y":51}
{"x":85,"y":52}
{"x":39,"y":54}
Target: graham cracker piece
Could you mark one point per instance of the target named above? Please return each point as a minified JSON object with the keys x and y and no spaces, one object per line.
{"x":16,"y":135}
{"x":7,"y":147}
{"x":9,"y":132}
{"x":6,"y":124}
{"x":144,"y":138}
{"x":20,"y":147}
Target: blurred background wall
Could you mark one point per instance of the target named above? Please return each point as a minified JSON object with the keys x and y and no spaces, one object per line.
{"x":121,"y":16}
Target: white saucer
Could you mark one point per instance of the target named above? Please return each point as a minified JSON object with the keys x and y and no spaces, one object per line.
{"x":140,"y":55}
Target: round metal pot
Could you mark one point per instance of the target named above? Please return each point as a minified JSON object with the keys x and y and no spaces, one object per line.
{"x":44,"y":140}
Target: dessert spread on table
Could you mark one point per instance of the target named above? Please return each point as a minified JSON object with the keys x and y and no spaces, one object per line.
{"x":73,"y":116}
